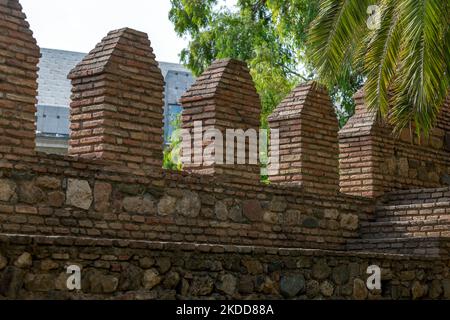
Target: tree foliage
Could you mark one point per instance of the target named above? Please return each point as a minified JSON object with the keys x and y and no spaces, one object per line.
{"x":405,"y":59}
{"x":270,"y":35}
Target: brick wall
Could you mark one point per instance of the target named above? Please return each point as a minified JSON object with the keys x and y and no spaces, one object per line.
{"x":415,"y":221}
{"x":223,"y":97}
{"x":373,"y":161}
{"x":19,"y":56}
{"x":110,"y":186}
{"x":308,"y":132}
{"x":55,"y":209}
{"x":117,"y":103}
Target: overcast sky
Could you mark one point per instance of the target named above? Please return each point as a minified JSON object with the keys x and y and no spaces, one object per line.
{"x":78,"y":25}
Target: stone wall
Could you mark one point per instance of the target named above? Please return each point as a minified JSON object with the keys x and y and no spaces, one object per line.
{"x":111,"y":185}
{"x":141,"y":232}
{"x":35,"y":268}
{"x":66,"y":196}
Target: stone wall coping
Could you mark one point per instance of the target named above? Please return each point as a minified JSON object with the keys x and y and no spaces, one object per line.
{"x":36,"y":240}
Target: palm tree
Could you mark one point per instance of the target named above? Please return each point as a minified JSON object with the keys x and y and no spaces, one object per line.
{"x":405,"y":58}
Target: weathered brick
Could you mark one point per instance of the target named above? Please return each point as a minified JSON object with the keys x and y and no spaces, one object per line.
{"x":130,"y":98}
{"x":19,"y":88}
{"x":308,"y":154}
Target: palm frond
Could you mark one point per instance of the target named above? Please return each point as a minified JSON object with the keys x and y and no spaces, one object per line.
{"x":339,"y":23}
{"x":447,"y":41}
{"x":381,"y":57}
{"x":421,"y":83}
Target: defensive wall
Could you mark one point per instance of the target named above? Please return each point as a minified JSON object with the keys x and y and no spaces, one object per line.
{"x":341,"y":201}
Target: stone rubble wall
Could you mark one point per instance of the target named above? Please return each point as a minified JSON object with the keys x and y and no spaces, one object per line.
{"x":66,"y":196}
{"x":35,"y":268}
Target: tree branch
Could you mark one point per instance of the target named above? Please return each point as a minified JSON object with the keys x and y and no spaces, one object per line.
{"x":289,"y":70}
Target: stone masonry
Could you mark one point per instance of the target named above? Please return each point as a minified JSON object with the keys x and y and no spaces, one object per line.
{"x":138,"y":232}
{"x":35,"y":268}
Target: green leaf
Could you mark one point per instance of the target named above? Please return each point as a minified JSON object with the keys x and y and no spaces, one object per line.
{"x":332,"y":36}
{"x":422,"y":81}
{"x":381,"y":58}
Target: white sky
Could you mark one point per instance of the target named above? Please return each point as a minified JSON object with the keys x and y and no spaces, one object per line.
{"x":78,"y":25}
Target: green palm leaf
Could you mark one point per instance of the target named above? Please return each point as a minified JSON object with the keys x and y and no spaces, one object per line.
{"x":422,"y":81}
{"x":339,"y":24}
{"x":407,"y":58}
{"x":381,"y":58}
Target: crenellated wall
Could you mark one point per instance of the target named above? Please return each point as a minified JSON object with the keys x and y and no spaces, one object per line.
{"x":65,"y":196}
{"x":117,"y":103}
{"x":19,"y":55}
{"x":308,"y":133}
{"x":373,"y":161}
{"x":112,"y":186}
{"x":213,"y":230}
{"x":224,"y":97}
